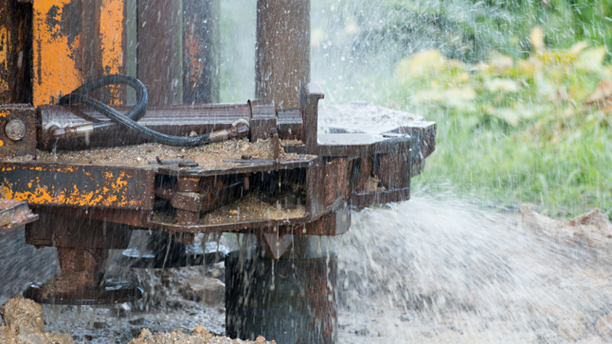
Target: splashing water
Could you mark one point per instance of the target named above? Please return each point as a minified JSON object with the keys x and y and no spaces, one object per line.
{"x":438,"y":270}
{"x":433,"y":269}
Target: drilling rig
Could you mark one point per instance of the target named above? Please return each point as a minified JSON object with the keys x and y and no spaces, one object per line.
{"x":109,"y":123}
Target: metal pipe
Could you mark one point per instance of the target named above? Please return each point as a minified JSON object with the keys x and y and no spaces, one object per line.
{"x":286,"y":300}
{"x":283,"y":51}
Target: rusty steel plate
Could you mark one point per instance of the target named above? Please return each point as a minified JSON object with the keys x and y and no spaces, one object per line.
{"x":157,"y":222}
{"x":54,"y":184}
{"x":247,"y":166}
{"x":17,"y":131}
{"x":362,"y":199}
{"x":110,"y":294}
{"x":423,"y":135}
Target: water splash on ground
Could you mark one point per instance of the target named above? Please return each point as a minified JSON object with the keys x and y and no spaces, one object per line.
{"x":437,"y":269}
{"x":433,"y":269}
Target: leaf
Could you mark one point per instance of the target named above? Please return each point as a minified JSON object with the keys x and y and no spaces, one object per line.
{"x":577,"y":48}
{"x":591,"y":60}
{"x":512,"y":116}
{"x":501,"y":62}
{"x":317,"y":36}
{"x":529,"y":67}
{"x":497,"y":63}
{"x":501,"y":85}
{"x":426,"y":61}
{"x":556,"y":57}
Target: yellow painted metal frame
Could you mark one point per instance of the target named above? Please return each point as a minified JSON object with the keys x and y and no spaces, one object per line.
{"x":60,"y":48}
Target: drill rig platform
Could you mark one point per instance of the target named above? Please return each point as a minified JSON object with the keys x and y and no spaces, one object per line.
{"x":80,"y":179}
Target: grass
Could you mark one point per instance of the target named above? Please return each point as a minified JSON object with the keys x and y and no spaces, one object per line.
{"x":520,"y":132}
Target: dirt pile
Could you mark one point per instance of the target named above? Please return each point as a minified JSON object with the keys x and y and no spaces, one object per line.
{"x":592,"y":230}
{"x":199,"y":336}
{"x":24,"y":323}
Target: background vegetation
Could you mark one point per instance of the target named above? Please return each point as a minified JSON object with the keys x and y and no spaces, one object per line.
{"x":511,"y":84}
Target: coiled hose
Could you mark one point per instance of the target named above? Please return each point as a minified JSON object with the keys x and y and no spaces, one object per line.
{"x":79,"y":96}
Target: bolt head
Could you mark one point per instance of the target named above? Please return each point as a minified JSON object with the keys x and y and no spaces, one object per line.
{"x":15,"y":129}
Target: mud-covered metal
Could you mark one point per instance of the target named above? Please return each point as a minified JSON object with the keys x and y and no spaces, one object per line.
{"x":282,"y":58}
{"x":15,"y":213}
{"x":81,"y":254}
{"x":201,"y":50}
{"x":263,"y":119}
{"x":109,"y":294}
{"x":177,"y":120}
{"x":337,"y":170}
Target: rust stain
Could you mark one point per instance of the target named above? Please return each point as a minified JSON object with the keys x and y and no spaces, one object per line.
{"x":56,"y":46}
{"x":43,"y":195}
{"x":4,"y":44}
{"x":111,"y":38}
{"x":62,"y":169}
{"x":196,"y":65}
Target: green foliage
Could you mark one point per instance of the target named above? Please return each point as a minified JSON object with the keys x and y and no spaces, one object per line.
{"x":527,"y":134}
{"x":564,"y":21}
{"x":469,"y":29}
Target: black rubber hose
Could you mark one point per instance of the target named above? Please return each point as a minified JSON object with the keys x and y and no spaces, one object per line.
{"x":127,"y":120}
{"x":141,"y":130}
{"x":136,"y":113}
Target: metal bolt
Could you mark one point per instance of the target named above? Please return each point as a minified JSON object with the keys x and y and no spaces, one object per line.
{"x":15,"y":129}
{"x":188,"y":164}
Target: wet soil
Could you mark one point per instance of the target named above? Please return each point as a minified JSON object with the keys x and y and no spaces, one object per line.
{"x":23,"y":324}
